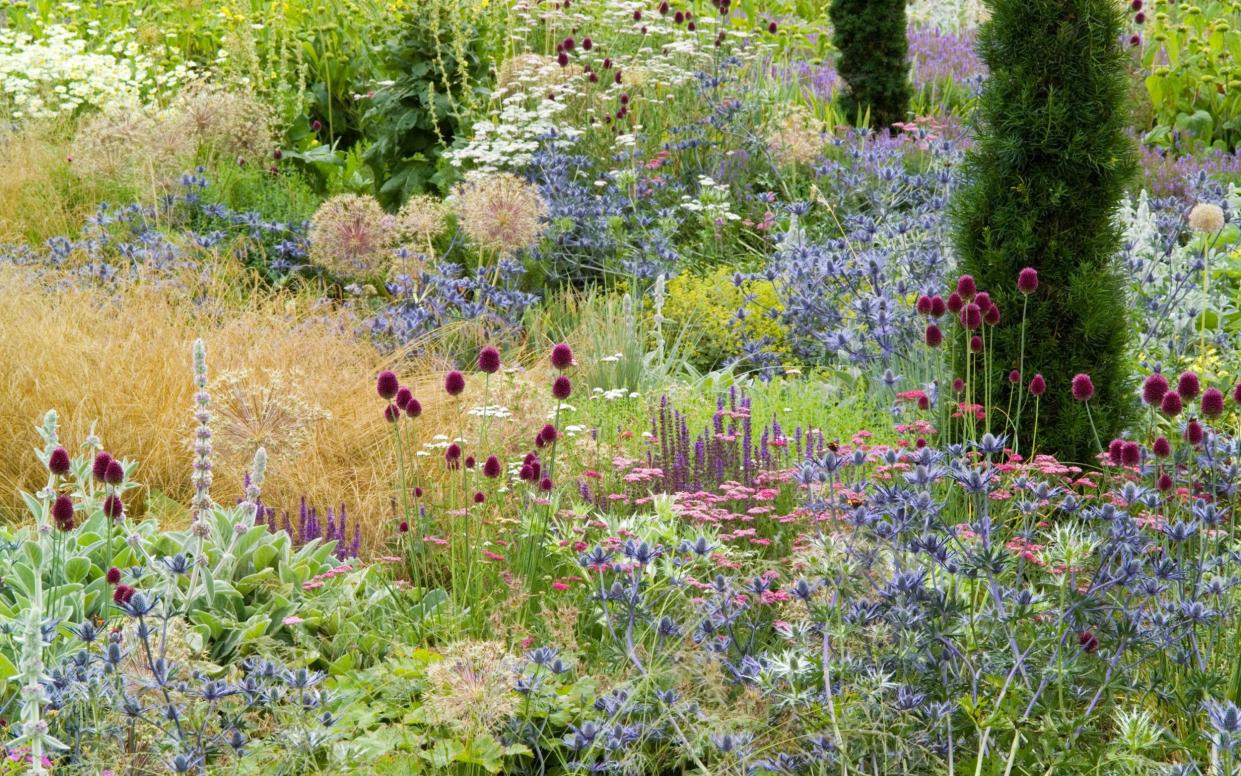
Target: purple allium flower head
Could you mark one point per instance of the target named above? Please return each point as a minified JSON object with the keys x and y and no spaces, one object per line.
{"x":971,"y":316}
{"x":1114,"y":450}
{"x":489,"y":360}
{"x":386,"y":385}
{"x":562,"y":356}
{"x":966,"y":287}
{"x":413,"y":408}
{"x":62,"y":511}
{"x":113,"y":507}
{"x":417,"y":492}
{"x":470,"y":462}
{"x":1164,"y":483}
{"x":938,"y":306}
{"x":983,"y":300}
{"x":113,"y":576}
{"x":58,"y":462}
{"x":99,"y":469}
{"x":545,"y":484}
{"x":1088,"y":641}
{"x":1038,"y":386}
{"x":1027,"y":280}
{"x":923,"y":305}
{"x":991,"y":316}
{"x":1154,"y":388}
{"x":1171,"y":404}
{"x":1082,"y":387}
{"x":954,"y":303}
{"x":479,"y":497}
{"x":115,"y":473}
{"x":1161,"y":447}
{"x":392,"y":413}
{"x":1014,"y":377}
{"x":975,"y":344}
{"x":452,"y":453}
{"x":403,"y":397}
{"x":491,"y":467}
{"x":563,"y":59}
{"x":1194,"y":432}
{"x":772,"y":27}
{"x":548,"y":434}
{"x":562,"y":388}
{"x":569,"y":44}
{"x":454,"y":383}
{"x":403,"y":527}
{"x":934,"y":337}
{"x":526,"y":473}
{"x":958,"y":385}
{"x":1236,"y":393}
{"x":1187,"y":385}
{"x":1131,"y":454}
{"x":1212,"y":403}
{"x":587,"y":43}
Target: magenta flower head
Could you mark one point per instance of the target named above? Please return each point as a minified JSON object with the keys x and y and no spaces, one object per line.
{"x":489,"y":360}
{"x":1187,"y":386}
{"x":562,"y":356}
{"x":1194,"y":432}
{"x":454,"y":383}
{"x":1014,"y":377}
{"x":478,"y":494}
{"x":413,"y":408}
{"x":1114,"y":451}
{"x":934,"y":337}
{"x":115,"y":473}
{"x":386,"y":385}
{"x":991,"y":316}
{"x":1236,"y":393}
{"x":62,"y":512}
{"x":983,"y":300}
{"x":403,"y":527}
{"x":99,"y":469}
{"x":971,"y":316}
{"x":545,"y":484}
{"x":1082,"y":387}
{"x":938,"y":306}
{"x":491,"y":467}
{"x":975,"y":344}
{"x":1027,"y":280}
{"x":562,"y":388}
{"x":113,"y":507}
{"x":958,"y":385}
{"x":954,"y":303}
{"x":1161,"y":447}
{"x":923,"y":305}
{"x":1038,"y":386}
{"x":1131,"y":454}
{"x":113,"y":576}
{"x":470,"y":462}
{"x":548,"y":434}
{"x":1154,"y":388}
{"x":1171,"y":404}
{"x":1212,"y":403}
{"x":966,"y":286}
{"x":1164,"y":483}
{"x":58,"y":462}
{"x":527,"y":472}
{"x":403,"y":398}
{"x":392,"y":413}
{"x":452,"y":454}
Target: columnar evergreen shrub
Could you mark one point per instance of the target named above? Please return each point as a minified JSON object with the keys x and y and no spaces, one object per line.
{"x":1051,"y":163}
{"x":870,"y":36}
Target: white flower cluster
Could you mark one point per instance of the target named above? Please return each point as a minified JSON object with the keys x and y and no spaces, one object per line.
{"x":712,"y":202}
{"x":56,"y":74}
{"x":510,"y":140}
{"x":947,"y":15}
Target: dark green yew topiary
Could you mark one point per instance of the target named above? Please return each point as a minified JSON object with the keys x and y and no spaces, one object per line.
{"x":870,"y":36}
{"x":1051,"y":162}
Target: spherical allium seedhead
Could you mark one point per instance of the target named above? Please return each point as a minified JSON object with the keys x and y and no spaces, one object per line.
{"x":1113,"y":450}
{"x":113,"y":507}
{"x":491,"y":467}
{"x":971,"y":316}
{"x":545,"y":484}
{"x":1187,"y":385}
{"x":1171,"y":404}
{"x":934,"y":337}
{"x":99,"y":468}
{"x":1027,"y":280}
{"x":403,"y":527}
{"x":58,"y":462}
{"x":548,"y":434}
{"x":351,"y":235}
{"x":1161,"y":447}
{"x":386,"y":385}
{"x":562,"y":356}
{"x":991,"y":316}
{"x":479,"y":497}
{"x":62,"y":512}
{"x":115,"y":473}
{"x":1131,"y":454}
{"x":413,"y":408}
{"x":502,"y":212}
{"x":1038,"y":386}
{"x":1164,"y":483}
{"x":923,"y":305}
{"x":403,"y":398}
{"x":958,"y":385}
{"x":1014,"y":377}
{"x":1206,"y":218}
{"x":1212,"y":403}
{"x":454,"y":383}
{"x":1082,"y":387}
{"x":975,"y":344}
{"x":1154,"y":388}
{"x":562,"y":387}
{"x":954,"y":303}
{"x":392,"y":413}
{"x":966,"y":287}
{"x":489,"y":360}
{"x":113,"y":576}
{"x":1194,"y":433}
{"x":938,"y":306}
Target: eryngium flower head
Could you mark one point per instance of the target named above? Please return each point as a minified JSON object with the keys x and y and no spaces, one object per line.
{"x":58,"y":462}
{"x":1187,"y":385}
{"x":489,"y":360}
{"x":1212,"y":403}
{"x":1082,"y":387}
{"x":1206,"y":218}
{"x":562,"y":357}
{"x":454,"y":383}
{"x":1027,"y":280}
{"x":501,"y":213}
{"x":351,"y":235}
{"x":562,"y":387}
{"x":386,"y":385}
{"x":1154,"y":388}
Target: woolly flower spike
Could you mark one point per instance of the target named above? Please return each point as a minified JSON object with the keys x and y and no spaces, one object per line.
{"x":350,"y":235}
{"x":562,"y":356}
{"x":501,"y":213}
{"x":1027,"y":280}
{"x":934,"y":337}
{"x":1206,"y":218}
{"x":1212,"y":403}
{"x":1082,"y":387}
{"x":386,"y":385}
{"x":58,"y":462}
{"x":113,"y":507}
{"x":1187,"y":386}
{"x":454,"y":383}
{"x":489,"y":360}
{"x":562,"y":387}
{"x":1154,"y":388}
{"x":62,"y":512}
{"x":99,"y":469}
{"x":1038,"y":386}
{"x":1171,"y":404}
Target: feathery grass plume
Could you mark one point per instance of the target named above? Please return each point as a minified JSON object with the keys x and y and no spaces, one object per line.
{"x":871,"y":38}
{"x":1056,"y":120}
{"x":501,"y":212}
{"x":796,"y":137}
{"x":351,"y":235}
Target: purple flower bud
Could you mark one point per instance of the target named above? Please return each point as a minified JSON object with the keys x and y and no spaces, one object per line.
{"x":1187,"y":386}
{"x":115,"y":473}
{"x":113,"y":507}
{"x":1038,"y":386}
{"x":391,"y":413}
{"x":113,"y":576}
{"x":1082,"y":387}
{"x":99,"y":469}
{"x":1212,"y":403}
{"x":479,"y":497}
{"x":966,"y":287}
{"x":387,"y":384}
{"x":470,"y":462}
{"x":413,"y":408}
{"x":1014,"y":377}
{"x":975,"y":344}
{"x":991,"y":316}
{"x":562,"y":388}
{"x":489,"y":360}
{"x":58,"y":462}
{"x":1027,"y":280}
{"x":403,"y":527}
{"x":1154,"y":388}
{"x":454,"y":383}
{"x":1171,"y":404}
{"x":934,"y":337}
{"x":562,"y":356}
{"x":491,"y":467}
{"x":958,"y":385}
{"x":62,"y":512}
{"x":403,"y":397}
{"x":1161,"y":447}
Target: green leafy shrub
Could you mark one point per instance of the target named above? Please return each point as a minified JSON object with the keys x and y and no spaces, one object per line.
{"x":701,"y":311}
{"x":870,"y":35}
{"x":1044,"y":181}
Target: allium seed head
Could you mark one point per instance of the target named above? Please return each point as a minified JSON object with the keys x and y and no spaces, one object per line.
{"x":1206,"y":218}
{"x":351,"y":235}
{"x":502,"y":212}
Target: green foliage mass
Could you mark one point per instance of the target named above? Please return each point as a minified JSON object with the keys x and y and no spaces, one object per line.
{"x":1051,"y":163}
{"x":701,"y":310}
{"x":871,"y":38}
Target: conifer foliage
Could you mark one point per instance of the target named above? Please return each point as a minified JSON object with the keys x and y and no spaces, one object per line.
{"x":871,"y":38}
{"x":1051,"y":163}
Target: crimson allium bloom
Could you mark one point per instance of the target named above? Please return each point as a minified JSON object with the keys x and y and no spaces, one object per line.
{"x":924,"y":402}
{"x":1027,"y":280}
{"x":413,"y":408}
{"x":958,"y":385}
{"x":479,"y":497}
{"x":403,"y":397}
{"x":1161,"y":447}
{"x":392,"y":413}
{"x":934,"y":337}
{"x":938,"y":306}
{"x":991,"y":316}
{"x":122,"y":594}
{"x":113,"y":507}
{"x":1187,"y":386}
{"x":58,"y":462}
{"x":417,"y":492}
{"x":403,"y":527}
{"x":975,"y":344}
{"x":1154,"y":388}
{"x":489,"y":360}
{"x":469,"y":462}
{"x":115,"y":473}
{"x":1171,"y":404}
{"x":1114,"y":450}
{"x":971,"y":316}
{"x":923,"y":305}
{"x":548,"y":434}
{"x":113,"y":576}
{"x":1212,"y":403}
{"x":1014,"y":377}
{"x":954,"y":303}
{"x":454,"y":383}
{"x":562,"y":356}
{"x":62,"y":511}
{"x":1131,"y":454}
{"x":526,"y":473}
{"x":562,"y":387}
{"x":1236,"y":393}
{"x":1194,"y":432}
{"x":1088,"y":641}
{"x":1164,"y":483}
{"x":452,"y":454}
{"x":491,"y":467}
{"x":545,"y":484}
{"x":99,"y":469}
{"x":1082,"y":387}
{"x":983,"y":300}
{"x":386,"y":384}
{"x":966,"y":286}
{"x":1038,"y":386}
